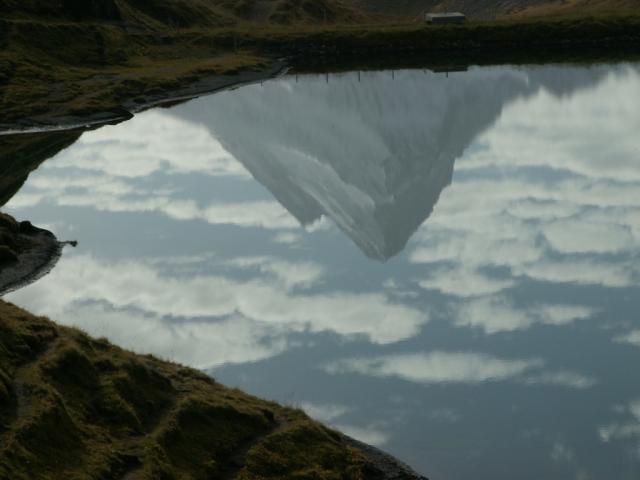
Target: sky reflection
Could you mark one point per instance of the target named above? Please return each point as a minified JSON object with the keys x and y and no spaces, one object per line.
{"x":443,"y":265}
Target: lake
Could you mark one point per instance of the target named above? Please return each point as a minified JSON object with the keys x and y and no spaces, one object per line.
{"x":442,"y":264}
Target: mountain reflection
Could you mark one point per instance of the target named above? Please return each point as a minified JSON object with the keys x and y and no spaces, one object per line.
{"x":372,"y":151}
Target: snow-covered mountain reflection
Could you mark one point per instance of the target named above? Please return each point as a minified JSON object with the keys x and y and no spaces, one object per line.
{"x":372,"y":151}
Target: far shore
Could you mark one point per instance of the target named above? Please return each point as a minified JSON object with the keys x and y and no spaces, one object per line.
{"x":110,"y":87}
{"x":202,"y":86}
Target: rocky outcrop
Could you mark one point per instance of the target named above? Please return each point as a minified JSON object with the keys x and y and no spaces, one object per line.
{"x":26,"y":253}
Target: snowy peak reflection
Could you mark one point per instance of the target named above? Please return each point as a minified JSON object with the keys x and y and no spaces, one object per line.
{"x":372,"y":151}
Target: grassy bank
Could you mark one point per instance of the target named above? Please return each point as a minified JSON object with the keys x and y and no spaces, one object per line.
{"x":518,"y":40}
{"x":105,"y":66}
{"x":74,"y":407}
{"x":100,"y":68}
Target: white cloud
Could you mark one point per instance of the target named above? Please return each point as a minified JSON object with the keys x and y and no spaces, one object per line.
{"x":563,"y":314}
{"x":496,"y":314}
{"x":155,"y":141}
{"x":115,"y":196}
{"x":582,"y":272}
{"x":325,"y":413}
{"x":437,"y":367}
{"x":287,"y":238}
{"x":440,"y":367}
{"x":556,"y":179}
{"x":592,"y":132}
{"x":464,"y":282}
{"x":546,"y":210}
{"x":200,"y":343}
{"x":583,"y":237}
{"x":330,"y":414}
{"x":177,"y":306}
{"x":475,"y":249}
{"x":563,"y":378}
{"x":493,"y":315}
{"x":632,"y":338}
{"x":369,"y":435}
{"x":623,"y":430}
{"x":291,"y":274}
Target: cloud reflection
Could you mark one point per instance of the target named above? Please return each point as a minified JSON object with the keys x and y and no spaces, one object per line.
{"x":496,"y":314}
{"x":333,"y":415}
{"x":472,"y":368}
{"x":200,"y":310}
{"x":623,"y":430}
{"x":437,"y":367}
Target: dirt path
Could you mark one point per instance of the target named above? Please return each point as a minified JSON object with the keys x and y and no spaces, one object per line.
{"x":23,"y":400}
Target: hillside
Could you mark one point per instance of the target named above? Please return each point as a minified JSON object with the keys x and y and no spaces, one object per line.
{"x":485,"y":9}
{"x":120,"y":56}
{"x":130,"y":49}
{"x":160,"y":14}
{"x":577,"y":7}
{"x":73,"y":407}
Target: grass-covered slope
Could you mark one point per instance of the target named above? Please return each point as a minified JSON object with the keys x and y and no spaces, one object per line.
{"x":64,"y":60}
{"x":162,"y":14}
{"x":72,"y":407}
{"x":554,"y":8}
{"x":483,"y":9}
{"x":61,"y":58}
{"x":135,"y":13}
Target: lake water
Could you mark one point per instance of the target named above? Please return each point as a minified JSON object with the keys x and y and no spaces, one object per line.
{"x":445,"y":265}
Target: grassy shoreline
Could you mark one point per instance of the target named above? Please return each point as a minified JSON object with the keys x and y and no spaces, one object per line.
{"x":123,"y":72}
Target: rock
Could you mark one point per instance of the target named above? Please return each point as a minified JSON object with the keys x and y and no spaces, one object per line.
{"x":27,"y":228}
{"x":383,"y":466}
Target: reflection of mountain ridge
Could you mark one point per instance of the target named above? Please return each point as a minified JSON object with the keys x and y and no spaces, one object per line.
{"x":21,"y":154}
{"x":373,"y":155}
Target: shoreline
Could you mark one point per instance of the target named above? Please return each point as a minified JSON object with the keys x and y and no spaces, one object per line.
{"x":33,"y":263}
{"x":207,"y":85}
{"x":388,"y":467}
{"x":300,"y":64}
{"x":110,"y":89}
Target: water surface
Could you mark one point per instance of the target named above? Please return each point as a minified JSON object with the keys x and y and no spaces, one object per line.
{"x":445,"y":265}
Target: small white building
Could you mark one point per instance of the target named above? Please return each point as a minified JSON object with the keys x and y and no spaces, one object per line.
{"x":446,"y":17}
